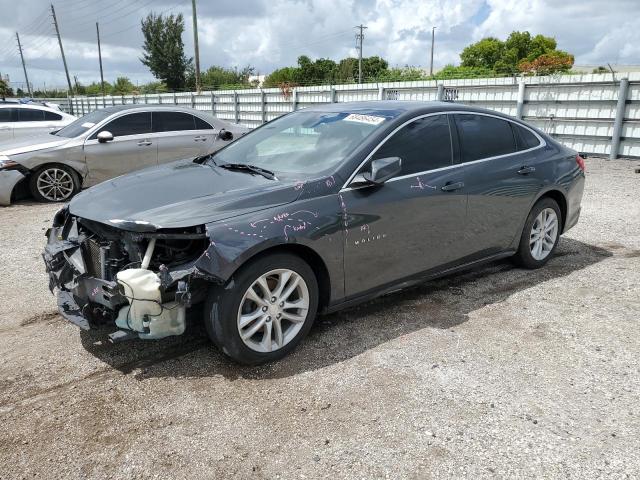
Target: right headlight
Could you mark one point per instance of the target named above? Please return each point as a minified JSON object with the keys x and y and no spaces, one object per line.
{"x":6,"y":163}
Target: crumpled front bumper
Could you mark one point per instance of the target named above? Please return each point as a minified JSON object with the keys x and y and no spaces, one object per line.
{"x":79,"y":295}
{"x":8,"y":180}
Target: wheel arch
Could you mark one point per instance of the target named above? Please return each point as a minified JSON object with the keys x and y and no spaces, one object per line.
{"x":310,"y":256}
{"x":560,"y":198}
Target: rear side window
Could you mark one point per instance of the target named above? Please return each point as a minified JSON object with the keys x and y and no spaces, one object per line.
{"x":8,"y":115}
{"x":172,"y":121}
{"x":483,"y":137}
{"x":50,"y":116}
{"x":131,"y":124}
{"x":424,"y":144}
{"x":30,"y":115}
{"x":524,"y":137}
{"x":202,"y":125}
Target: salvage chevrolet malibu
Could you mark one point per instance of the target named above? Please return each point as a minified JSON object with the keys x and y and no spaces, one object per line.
{"x":315,"y":211}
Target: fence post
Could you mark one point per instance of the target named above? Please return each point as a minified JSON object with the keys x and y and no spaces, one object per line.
{"x":193,"y":101}
{"x":619,"y":120}
{"x":333,"y":94}
{"x":159,"y":99}
{"x":440,"y":94}
{"x":236,"y":105}
{"x":520,"y":104}
{"x":263,"y":101}
{"x":113,"y":101}
{"x":145,"y":98}
{"x":294,"y":100}
{"x":175,"y":100}
{"x":380,"y":93}
{"x":213,"y":104}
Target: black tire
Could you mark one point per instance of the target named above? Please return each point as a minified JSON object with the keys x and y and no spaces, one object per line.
{"x":524,"y":256}
{"x":223,"y":304}
{"x":69,"y":179}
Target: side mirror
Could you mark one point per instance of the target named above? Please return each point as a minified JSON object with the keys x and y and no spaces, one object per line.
{"x":382,"y":169}
{"x":104,"y":136}
{"x":225,"y":135}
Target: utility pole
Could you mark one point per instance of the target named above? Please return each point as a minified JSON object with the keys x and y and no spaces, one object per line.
{"x":195,"y":44}
{"x":26,"y":78}
{"x":433,"y":39}
{"x":64,"y":60}
{"x":359,"y":38}
{"x":100,"y":60}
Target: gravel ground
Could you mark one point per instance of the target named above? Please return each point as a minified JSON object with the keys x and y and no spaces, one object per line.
{"x":498,"y":372}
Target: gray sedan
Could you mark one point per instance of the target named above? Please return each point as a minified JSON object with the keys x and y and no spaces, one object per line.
{"x":104,"y":144}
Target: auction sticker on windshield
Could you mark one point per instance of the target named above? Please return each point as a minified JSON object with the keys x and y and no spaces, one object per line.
{"x":368,"y":119}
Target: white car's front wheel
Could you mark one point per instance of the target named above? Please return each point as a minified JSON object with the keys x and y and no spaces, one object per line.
{"x":54,"y":183}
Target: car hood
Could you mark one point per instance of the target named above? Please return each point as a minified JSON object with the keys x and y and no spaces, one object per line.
{"x":179,"y":195}
{"x":31,"y":144}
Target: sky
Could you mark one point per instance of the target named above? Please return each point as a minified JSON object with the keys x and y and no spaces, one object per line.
{"x":269,"y":34}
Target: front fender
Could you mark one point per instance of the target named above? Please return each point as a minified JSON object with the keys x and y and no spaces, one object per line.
{"x":315,"y":224}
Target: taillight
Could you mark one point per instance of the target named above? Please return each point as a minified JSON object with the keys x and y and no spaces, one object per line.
{"x":580,"y":162}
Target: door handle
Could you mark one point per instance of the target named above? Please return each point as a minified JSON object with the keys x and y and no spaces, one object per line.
{"x":452,"y":186}
{"x":145,"y":143}
{"x":200,"y":139}
{"x":526,"y":170}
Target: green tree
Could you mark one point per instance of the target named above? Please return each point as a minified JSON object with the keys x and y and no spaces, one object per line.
{"x":164,"y":49}
{"x":452,"y":72}
{"x":484,"y":53}
{"x":5,"y":89}
{"x":216,"y":77}
{"x":280,"y":76}
{"x":122,"y":86}
{"x":406,"y":74}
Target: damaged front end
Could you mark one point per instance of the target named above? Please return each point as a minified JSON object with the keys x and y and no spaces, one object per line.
{"x":141,"y":279}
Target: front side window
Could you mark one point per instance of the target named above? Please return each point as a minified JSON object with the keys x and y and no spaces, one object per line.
{"x":482,"y":136}
{"x":304,"y":142}
{"x":172,"y":121}
{"x":130,"y":124}
{"x":424,"y":144}
{"x":30,"y":115}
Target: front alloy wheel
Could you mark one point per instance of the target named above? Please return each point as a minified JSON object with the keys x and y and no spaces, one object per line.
{"x":264,"y":310}
{"x":54,"y":183}
{"x":273,"y":310}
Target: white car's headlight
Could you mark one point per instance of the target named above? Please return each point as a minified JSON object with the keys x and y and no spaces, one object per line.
{"x":6,"y":163}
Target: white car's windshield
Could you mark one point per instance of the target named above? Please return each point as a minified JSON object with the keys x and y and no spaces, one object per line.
{"x":303,"y":142}
{"x":83,"y":124}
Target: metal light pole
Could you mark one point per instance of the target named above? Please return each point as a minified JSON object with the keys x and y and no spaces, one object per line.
{"x":433,"y":39}
{"x":24,"y":68}
{"x":195,"y":44}
{"x":359,"y":38}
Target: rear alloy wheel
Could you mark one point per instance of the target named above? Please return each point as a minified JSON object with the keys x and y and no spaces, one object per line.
{"x":54,"y":183}
{"x":540,"y":234}
{"x":265,"y":309}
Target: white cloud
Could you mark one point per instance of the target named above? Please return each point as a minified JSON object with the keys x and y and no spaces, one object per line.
{"x":273,"y":33}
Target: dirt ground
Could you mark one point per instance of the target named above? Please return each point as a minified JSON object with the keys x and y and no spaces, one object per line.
{"x":499,"y":372}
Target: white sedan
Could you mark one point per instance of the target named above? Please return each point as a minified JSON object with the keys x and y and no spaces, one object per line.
{"x":20,"y":120}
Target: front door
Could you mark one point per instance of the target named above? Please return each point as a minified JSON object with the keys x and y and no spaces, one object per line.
{"x":412,"y":223}
{"x":132,"y":148}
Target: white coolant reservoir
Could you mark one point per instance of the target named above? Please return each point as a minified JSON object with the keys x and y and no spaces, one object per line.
{"x":145,"y":313}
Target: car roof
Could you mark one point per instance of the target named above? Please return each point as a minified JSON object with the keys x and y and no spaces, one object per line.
{"x":396,"y":108}
{"x":177,"y":108}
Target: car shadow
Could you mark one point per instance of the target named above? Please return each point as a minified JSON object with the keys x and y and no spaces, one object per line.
{"x":439,"y":304}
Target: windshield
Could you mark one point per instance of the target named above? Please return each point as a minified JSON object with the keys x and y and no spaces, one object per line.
{"x":303,"y":142}
{"x":83,"y":124}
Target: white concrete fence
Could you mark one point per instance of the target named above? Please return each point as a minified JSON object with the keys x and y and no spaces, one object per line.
{"x":596,"y":114}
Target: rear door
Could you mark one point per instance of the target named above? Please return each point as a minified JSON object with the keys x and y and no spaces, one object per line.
{"x":31,"y":121}
{"x":411,"y":223}
{"x":132,"y":148}
{"x":180,"y":135}
{"x":501,"y":179}
{"x":8,"y":116}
